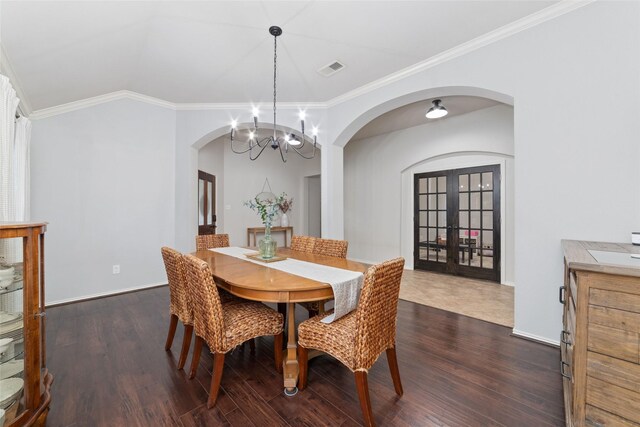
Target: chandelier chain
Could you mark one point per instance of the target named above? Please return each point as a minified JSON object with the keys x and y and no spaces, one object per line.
{"x":275,"y":70}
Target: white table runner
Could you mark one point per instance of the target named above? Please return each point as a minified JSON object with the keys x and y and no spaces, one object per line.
{"x":346,"y":284}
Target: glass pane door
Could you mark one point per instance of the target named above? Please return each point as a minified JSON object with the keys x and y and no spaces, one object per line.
{"x":458,"y":225}
{"x":432,"y":220}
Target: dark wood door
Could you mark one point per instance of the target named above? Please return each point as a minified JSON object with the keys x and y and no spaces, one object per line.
{"x":457,"y":222}
{"x":206,"y":203}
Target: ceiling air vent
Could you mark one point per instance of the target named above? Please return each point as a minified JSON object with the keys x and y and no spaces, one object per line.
{"x":332,"y":68}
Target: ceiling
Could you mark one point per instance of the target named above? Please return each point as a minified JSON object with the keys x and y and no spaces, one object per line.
{"x":221,"y":51}
{"x":411,"y":115}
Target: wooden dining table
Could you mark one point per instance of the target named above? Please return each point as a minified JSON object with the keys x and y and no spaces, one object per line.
{"x":258,"y":282}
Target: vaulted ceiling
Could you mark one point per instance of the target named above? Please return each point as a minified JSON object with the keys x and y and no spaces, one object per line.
{"x":221,"y":51}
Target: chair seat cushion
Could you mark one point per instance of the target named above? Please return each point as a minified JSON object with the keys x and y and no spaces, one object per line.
{"x":337,"y":339}
{"x":245,"y":320}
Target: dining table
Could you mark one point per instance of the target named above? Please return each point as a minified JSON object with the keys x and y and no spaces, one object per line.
{"x":258,"y":282}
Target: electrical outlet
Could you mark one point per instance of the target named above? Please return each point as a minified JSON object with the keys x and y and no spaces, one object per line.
{"x":116,"y":269}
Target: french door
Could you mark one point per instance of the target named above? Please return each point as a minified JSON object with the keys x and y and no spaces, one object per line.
{"x":457,"y":222}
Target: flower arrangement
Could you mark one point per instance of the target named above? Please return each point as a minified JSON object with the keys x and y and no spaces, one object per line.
{"x":267,"y":208}
{"x":285,"y":203}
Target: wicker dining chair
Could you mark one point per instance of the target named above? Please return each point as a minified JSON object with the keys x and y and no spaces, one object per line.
{"x":208,"y":241}
{"x":358,"y":339}
{"x":178,"y":304}
{"x":212,"y":241}
{"x":303,"y":243}
{"x":328,"y":247}
{"x":225,"y":326}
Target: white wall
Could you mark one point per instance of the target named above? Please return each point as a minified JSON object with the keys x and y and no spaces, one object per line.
{"x":567,"y":149}
{"x":103,"y":177}
{"x":211,"y":160}
{"x":378,"y":176}
{"x":244,"y":179}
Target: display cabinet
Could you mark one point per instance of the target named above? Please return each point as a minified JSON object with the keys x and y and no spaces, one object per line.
{"x":24,"y":380}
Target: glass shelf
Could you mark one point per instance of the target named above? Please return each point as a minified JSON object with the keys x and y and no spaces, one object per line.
{"x":17,"y":355}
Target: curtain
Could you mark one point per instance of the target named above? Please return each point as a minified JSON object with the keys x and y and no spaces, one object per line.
{"x":8,"y":105}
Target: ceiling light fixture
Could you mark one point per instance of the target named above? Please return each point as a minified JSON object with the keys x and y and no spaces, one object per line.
{"x":280,"y":140}
{"x":437,"y":110}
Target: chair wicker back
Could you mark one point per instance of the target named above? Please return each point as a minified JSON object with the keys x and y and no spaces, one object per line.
{"x":208,"y":241}
{"x":207,"y":309}
{"x":377,"y":312}
{"x":358,"y":338}
{"x":330,"y":247}
{"x":303,"y":243}
{"x":178,"y":303}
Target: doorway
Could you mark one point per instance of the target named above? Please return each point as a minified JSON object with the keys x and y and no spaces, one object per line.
{"x":457,"y":222}
{"x":206,"y":203}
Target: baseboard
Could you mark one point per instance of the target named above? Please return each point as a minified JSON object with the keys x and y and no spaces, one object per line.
{"x":506,"y":283}
{"x":535,"y":338}
{"x":103,"y":295}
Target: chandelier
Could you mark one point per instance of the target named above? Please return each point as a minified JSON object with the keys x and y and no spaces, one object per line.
{"x":280,"y":140}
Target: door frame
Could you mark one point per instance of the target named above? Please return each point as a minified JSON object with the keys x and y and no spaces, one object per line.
{"x":452,"y":264}
{"x":208,"y":179}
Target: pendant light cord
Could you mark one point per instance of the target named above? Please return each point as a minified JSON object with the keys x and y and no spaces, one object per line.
{"x":275,"y":68}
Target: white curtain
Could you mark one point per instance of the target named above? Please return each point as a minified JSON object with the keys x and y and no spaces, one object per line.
{"x":8,"y":105}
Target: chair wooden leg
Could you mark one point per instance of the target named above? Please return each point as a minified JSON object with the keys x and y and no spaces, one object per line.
{"x":363,"y":394}
{"x":186,"y":342}
{"x":216,"y":378}
{"x":197,"y":349}
{"x":303,"y":366}
{"x":393,"y":367}
{"x":172,"y":331}
{"x":277,"y":351}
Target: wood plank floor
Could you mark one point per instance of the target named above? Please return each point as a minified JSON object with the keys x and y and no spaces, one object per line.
{"x":110,"y":369}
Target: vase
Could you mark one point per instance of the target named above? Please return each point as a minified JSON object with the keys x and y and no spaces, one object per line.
{"x":284,"y":220}
{"x":266,"y":246}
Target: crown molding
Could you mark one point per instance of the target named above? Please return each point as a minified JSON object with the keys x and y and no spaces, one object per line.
{"x":25,"y":106}
{"x":546,"y":14}
{"x":97,"y":100}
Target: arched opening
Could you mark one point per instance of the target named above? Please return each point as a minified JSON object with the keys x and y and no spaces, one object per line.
{"x":383,"y":157}
{"x":239,"y":179}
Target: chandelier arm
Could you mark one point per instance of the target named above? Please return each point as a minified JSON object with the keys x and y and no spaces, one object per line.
{"x":282,"y":155}
{"x":313,"y":153}
{"x":239,"y":152}
{"x":262,"y":147}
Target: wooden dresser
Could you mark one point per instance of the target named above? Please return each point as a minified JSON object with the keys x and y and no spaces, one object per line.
{"x":600,"y":341}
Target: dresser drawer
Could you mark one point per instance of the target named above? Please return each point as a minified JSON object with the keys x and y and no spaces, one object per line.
{"x":614,"y":342}
{"x":596,"y":417}
{"x":614,"y":371}
{"x":613,"y":299}
{"x":611,"y":398}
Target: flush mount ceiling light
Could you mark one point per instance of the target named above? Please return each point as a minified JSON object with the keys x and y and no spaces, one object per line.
{"x":437,"y":110}
{"x":280,"y":140}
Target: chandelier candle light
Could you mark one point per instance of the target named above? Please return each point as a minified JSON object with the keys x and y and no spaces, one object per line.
{"x":281,"y":142}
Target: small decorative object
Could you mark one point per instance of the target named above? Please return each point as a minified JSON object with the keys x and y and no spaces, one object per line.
{"x":267,"y":205}
{"x":285,"y":205}
{"x":635,"y":238}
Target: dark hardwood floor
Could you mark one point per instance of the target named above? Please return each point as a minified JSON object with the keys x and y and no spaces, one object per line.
{"x":110,"y":368}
